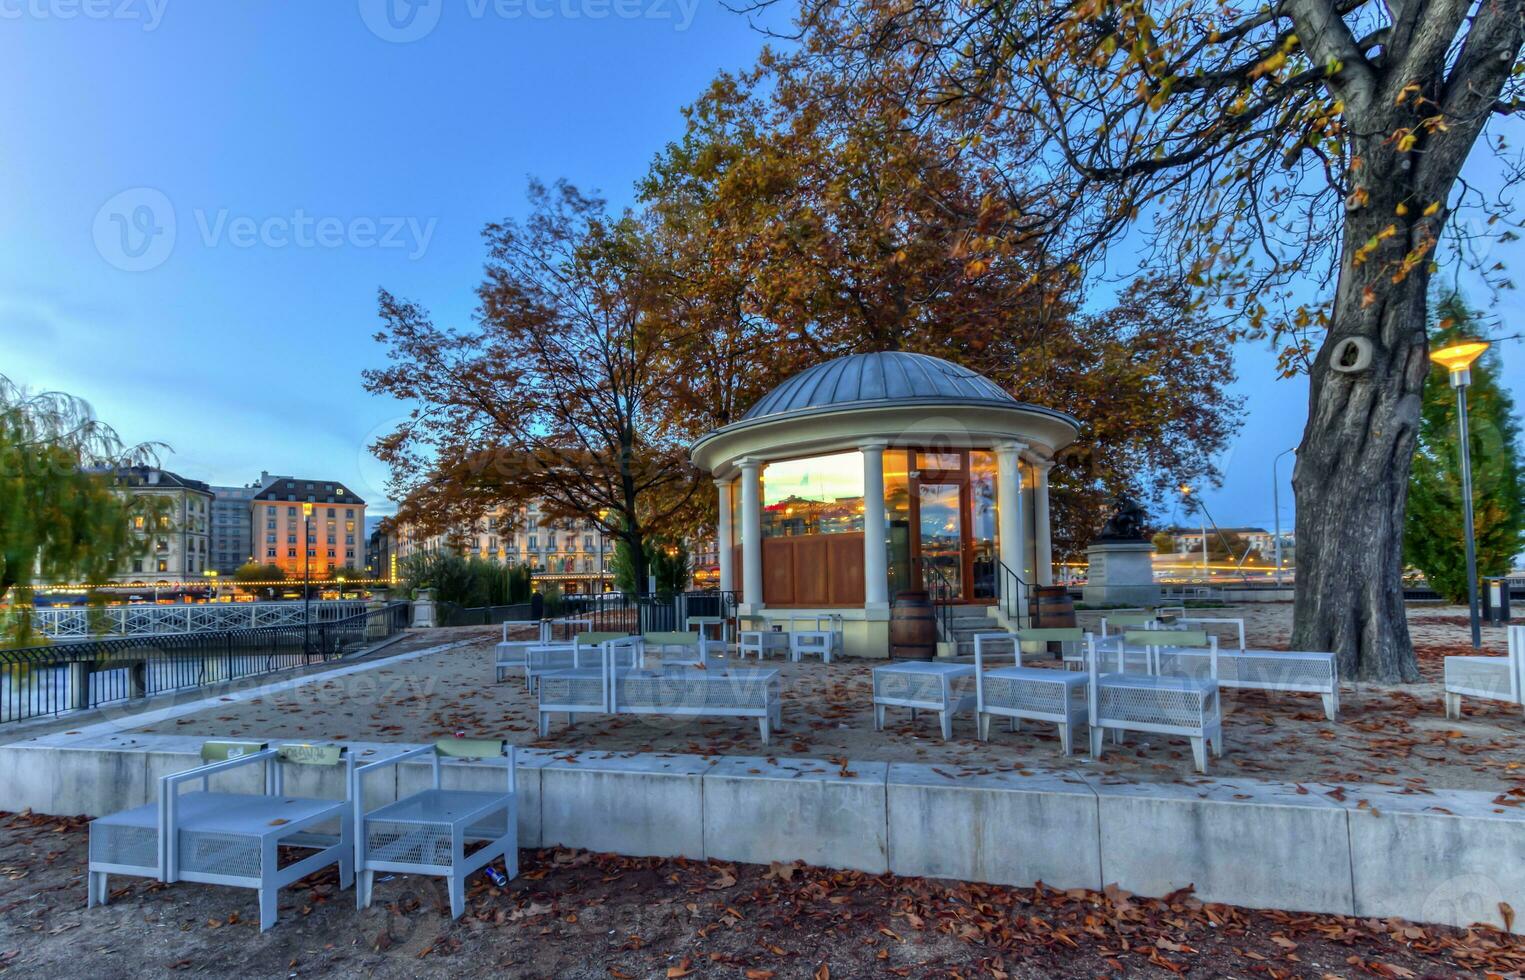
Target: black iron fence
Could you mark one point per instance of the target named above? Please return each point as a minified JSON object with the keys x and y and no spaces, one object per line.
{"x":451,"y":614}
{"x":48,"y":680}
{"x":616,"y":612}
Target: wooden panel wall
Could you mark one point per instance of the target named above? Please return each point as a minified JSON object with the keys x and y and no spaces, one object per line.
{"x":812,"y":571}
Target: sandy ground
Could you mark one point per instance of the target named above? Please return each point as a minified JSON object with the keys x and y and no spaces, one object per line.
{"x":1395,"y":735}
{"x":580,"y":916}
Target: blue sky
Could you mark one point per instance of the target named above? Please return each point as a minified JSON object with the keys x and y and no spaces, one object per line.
{"x":269,"y":165}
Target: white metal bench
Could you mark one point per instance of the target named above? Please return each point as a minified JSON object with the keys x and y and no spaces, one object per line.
{"x":1020,"y":693}
{"x":1262,"y":670}
{"x":611,"y":688}
{"x":426,"y":833}
{"x":803,"y":643}
{"x":922,"y":685}
{"x":223,"y":838}
{"x":1169,"y":705}
{"x":739,"y":692}
{"x":1192,"y":622}
{"x":1491,"y":678}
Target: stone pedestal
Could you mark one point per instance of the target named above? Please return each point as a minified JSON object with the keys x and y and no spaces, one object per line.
{"x":1121,"y":574}
{"x":423,"y":610}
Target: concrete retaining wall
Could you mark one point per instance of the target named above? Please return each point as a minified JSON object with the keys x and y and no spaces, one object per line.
{"x":1449,"y":856}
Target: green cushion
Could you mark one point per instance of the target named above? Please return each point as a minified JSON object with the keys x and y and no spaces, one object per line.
{"x":470,"y":748}
{"x":223,"y":751}
{"x":1166,"y":638}
{"x":594,"y":639}
{"x":672,"y":639}
{"x":1053,"y":634}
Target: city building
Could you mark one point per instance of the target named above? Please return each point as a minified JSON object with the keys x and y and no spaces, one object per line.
{"x":573,"y":555}
{"x":332,"y":516}
{"x":1188,"y":540}
{"x":172,"y":526}
{"x":232,"y":524}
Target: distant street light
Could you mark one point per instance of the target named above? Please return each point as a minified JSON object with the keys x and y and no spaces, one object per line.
{"x":1276,"y":507}
{"x":1458,"y":359}
{"x":307,"y":579}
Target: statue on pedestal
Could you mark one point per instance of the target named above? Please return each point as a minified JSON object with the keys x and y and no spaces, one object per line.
{"x":1126,"y":522}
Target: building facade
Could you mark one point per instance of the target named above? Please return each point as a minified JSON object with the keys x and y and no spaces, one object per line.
{"x":171,"y":527}
{"x":232,"y":532}
{"x":573,"y":555}
{"x":308,"y":528}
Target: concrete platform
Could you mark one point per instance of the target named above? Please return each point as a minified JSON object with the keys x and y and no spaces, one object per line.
{"x":1446,"y":857}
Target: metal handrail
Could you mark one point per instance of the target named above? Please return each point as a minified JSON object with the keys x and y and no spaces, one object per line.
{"x":48,"y":680}
{"x":1010,"y":587}
{"x":941,"y":598}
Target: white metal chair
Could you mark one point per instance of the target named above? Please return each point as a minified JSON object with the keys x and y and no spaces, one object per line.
{"x":427,"y":833}
{"x":581,"y":652}
{"x":1169,"y":705}
{"x":923,"y":686}
{"x":223,"y":838}
{"x":681,"y":649}
{"x":1020,"y":693}
{"x":514,"y":654}
{"x":1112,"y":624}
{"x":762,"y":643}
{"x":1491,"y":678}
{"x":1199,"y":621}
{"x":587,"y":688}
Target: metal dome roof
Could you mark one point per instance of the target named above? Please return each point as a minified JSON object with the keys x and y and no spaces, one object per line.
{"x":885,"y":376}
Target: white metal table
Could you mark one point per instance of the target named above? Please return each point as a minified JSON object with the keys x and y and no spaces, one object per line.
{"x":946,"y":688}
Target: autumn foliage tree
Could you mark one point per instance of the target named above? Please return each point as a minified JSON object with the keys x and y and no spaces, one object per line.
{"x":1298,"y":163}
{"x":558,"y":390}
{"x":806,"y":220}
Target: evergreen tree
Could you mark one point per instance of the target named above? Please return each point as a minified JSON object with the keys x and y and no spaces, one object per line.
{"x":1433,"y":538}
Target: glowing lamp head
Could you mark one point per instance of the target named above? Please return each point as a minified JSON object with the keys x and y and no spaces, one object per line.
{"x":307,"y":510}
{"x":1458,"y":357}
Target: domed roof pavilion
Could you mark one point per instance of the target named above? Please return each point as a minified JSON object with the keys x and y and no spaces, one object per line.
{"x":875,"y":473}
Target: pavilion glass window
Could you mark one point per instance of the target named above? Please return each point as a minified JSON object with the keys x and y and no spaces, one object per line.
{"x":816,"y":495}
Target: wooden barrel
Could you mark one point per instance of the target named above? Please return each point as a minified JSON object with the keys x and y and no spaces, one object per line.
{"x":913,"y":626}
{"x":1050,"y":607}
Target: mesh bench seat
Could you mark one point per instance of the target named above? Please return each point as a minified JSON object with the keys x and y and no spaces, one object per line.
{"x":736,"y":692}
{"x":1020,"y":693}
{"x":427,"y":833}
{"x":1262,"y":670}
{"x":228,"y":838}
{"x":1171,"y":705}
{"x":1490,"y":678}
{"x":945,"y":688}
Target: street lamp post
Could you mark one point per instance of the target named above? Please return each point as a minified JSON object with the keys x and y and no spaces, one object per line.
{"x":1457,"y":359}
{"x":307,"y":579}
{"x":1276,"y":507}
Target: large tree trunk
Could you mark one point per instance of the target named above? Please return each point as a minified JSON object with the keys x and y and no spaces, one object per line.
{"x":1351,"y":478}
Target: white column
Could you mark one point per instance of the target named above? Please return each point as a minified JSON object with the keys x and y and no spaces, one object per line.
{"x":723,"y":543}
{"x":751,"y":533}
{"x":1009,"y":522}
{"x":876,"y":572}
{"x":1043,"y":530}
